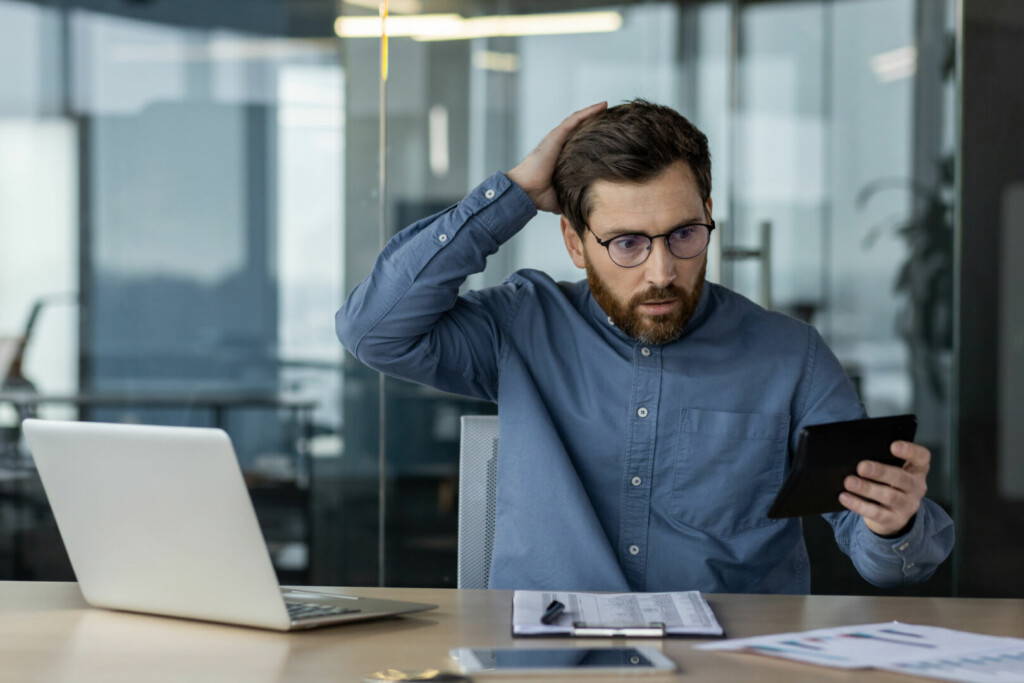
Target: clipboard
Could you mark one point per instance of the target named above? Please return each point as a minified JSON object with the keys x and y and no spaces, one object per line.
{"x":581,"y":629}
{"x":607,"y":615}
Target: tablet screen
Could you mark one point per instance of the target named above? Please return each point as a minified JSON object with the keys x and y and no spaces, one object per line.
{"x":564,"y":658}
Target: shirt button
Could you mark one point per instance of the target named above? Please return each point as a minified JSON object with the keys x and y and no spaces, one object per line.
{"x":610,"y":321}
{"x":645,"y":351}
{"x":636,"y":481}
{"x":910,"y":565}
{"x":442,"y":238}
{"x":903,"y":547}
{"x":489,"y":194}
{"x":642,"y":412}
{"x":634,"y":550}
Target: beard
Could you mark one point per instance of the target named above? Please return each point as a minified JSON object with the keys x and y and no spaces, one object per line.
{"x":648,"y":329}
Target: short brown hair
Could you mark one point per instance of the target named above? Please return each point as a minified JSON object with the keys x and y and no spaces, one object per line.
{"x":631,"y":142}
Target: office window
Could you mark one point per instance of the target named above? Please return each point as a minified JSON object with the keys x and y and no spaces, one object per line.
{"x":202,"y":184}
{"x":828,"y":123}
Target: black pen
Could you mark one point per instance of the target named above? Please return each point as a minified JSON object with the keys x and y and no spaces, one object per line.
{"x":553,"y":611}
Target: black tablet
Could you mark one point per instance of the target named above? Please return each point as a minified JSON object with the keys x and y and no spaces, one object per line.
{"x":827,"y":453}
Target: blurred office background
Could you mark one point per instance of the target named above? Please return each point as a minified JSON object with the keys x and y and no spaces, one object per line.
{"x":189,"y":189}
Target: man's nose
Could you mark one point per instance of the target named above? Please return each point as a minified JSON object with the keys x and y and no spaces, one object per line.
{"x":661,"y":264}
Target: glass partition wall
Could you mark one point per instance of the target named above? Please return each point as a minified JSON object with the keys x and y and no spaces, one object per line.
{"x":832,"y":133}
{"x":188,"y":193}
{"x":170,"y":241}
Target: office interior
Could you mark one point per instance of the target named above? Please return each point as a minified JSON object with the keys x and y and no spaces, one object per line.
{"x":188,"y":190}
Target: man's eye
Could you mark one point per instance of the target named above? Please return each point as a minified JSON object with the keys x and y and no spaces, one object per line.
{"x":628,"y":243}
{"x":683,"y":234}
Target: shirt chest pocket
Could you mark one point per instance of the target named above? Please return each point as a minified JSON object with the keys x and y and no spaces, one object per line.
{"x":728,"y":469}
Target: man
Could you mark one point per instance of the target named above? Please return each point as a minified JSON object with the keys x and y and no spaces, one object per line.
{"x":645,"y":415}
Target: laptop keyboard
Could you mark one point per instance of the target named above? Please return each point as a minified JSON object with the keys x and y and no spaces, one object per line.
{"x":305,"y":610}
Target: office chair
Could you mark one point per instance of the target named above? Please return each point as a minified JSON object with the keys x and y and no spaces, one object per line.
{"x":478,"y":482}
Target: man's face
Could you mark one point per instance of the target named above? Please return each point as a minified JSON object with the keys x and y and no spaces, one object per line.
{"x":651,"y":302}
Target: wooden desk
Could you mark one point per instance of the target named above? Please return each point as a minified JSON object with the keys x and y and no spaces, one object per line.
{"x":48,"y":634}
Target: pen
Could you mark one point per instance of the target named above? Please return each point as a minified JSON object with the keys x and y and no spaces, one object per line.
{"x":553,"y":611}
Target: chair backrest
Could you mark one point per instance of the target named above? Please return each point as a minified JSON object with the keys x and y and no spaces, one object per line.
{"x":478,"y":479}
{"x":8,"y":354}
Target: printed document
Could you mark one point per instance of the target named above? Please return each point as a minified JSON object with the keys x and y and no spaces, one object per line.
{"x":926,"y":651}
{"x":682,"y":613}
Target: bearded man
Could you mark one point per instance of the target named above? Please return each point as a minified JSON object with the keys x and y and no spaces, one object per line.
{"x":646,"y":415}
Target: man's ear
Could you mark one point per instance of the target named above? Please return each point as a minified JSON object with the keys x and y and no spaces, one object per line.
{"x":708,"y":206}
{"x":573,"y":243}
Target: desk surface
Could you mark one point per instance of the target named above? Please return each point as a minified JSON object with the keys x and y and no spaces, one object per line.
{"x":48,"y":634}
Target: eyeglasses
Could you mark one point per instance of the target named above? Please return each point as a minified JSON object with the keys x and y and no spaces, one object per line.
{"x":631,"y":250}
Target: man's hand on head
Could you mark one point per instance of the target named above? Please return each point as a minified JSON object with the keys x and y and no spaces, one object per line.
{"x":533,"y":173}
{"x":888,"y":497}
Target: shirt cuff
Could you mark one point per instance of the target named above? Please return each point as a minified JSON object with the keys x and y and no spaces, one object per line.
{"x":501,"y":206}
{"x":900,"y":549}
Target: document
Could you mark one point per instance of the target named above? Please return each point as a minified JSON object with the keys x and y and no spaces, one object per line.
{"x":998,"y":665}
{"x":681,"y":613}
{"x":926,"y":651}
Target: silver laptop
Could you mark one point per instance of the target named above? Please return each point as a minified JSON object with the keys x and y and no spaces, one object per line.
{"x":158,"y":520}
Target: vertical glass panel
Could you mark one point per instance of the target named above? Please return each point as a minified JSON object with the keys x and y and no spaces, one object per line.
{"x":871,"y":103}
{"x":31,"y":52}
{"x":429,"y":129}
{"x":175,"y":172}
{"x":38,"y":269}
{"x":214,"y":226}
{"x":310,"y":181}
{"x":839,"y":150}
{"x":38,"y":215}
{"x":709,"y":43}
{"x":351,"y":516}
{"x":205,"y":186}
{"x":813,"y":111}
{"x":38,"y":207}
{"x":780,"y":155}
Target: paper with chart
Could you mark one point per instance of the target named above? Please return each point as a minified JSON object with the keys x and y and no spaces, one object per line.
{"x":682,"y":612}
{"x":894,"y":646}
{"x":998,"y":665}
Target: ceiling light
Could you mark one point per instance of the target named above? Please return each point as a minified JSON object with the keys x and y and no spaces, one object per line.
{"x":434,"y":27}
{"x":895,"y":64}
{"x":394,"y":6}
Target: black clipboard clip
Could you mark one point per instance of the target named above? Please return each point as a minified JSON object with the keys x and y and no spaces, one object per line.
{"x":654,"y":629}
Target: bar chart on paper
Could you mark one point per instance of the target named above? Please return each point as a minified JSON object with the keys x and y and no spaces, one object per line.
{"x":905,"y":648}
{"x":999,"y":665}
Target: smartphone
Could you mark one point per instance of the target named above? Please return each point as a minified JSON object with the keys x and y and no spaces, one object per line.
{"x":523,"y":661}
{"x":827,"y":453}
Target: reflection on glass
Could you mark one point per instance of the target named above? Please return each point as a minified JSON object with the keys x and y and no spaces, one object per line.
{"x":806,"y":105}
{"x":206,"y":193}
{"x":178,"y":181}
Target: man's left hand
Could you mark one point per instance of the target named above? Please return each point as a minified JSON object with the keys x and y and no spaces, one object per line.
{"x":888,"y":497}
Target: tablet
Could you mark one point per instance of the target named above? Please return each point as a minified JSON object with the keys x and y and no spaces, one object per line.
{"x":827,"y":453}
{"x":583,"y":661}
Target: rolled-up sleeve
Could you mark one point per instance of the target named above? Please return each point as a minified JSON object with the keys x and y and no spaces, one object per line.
{"x":828,"y":396}
{"x":407,"y":319}
{"x":906,"y":559}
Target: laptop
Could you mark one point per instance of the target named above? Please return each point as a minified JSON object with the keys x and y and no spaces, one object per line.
{"x":158,"y":520}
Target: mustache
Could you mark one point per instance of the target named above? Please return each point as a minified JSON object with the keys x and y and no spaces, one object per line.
{"x":657,"y":294}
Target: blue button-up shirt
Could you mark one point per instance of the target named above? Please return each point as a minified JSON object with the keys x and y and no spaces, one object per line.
{"x":622,"y":465}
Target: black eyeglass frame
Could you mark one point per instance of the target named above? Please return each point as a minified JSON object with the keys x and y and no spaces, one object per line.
{"x":607,"y":243}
